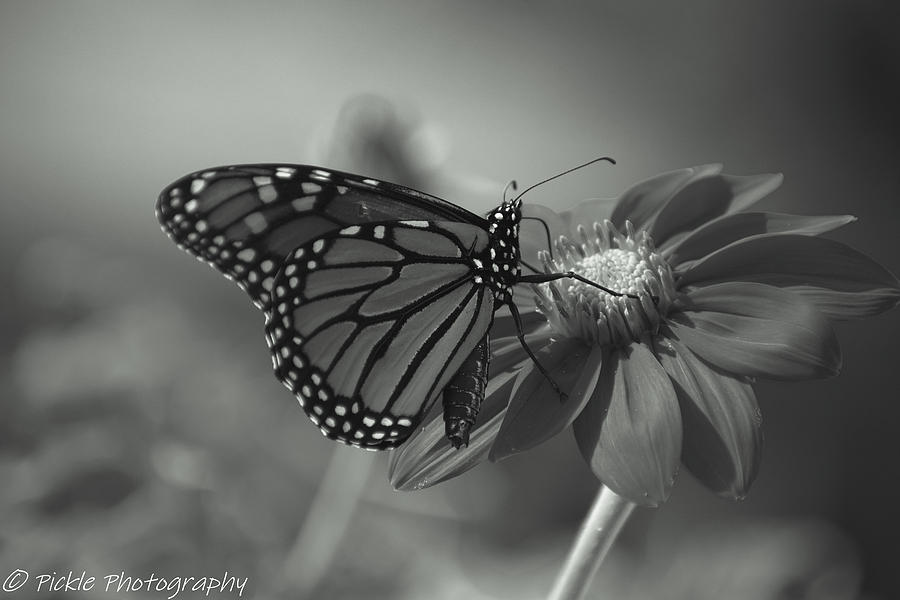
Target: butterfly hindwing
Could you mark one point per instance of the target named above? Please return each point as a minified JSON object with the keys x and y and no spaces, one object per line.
{"x":369,"y":323}
{"x":245,"y":219}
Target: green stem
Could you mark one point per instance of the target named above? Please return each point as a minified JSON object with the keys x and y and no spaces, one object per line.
{"x":598,"y":532}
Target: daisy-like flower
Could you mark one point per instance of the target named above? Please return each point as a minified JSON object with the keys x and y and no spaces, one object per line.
{"x":724,"y":296}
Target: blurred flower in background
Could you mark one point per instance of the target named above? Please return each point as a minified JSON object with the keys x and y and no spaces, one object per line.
{"x":379,"y":138}
{"x":725,"y":296}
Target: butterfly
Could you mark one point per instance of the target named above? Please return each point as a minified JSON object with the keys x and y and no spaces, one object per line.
{"x":378,"y":298}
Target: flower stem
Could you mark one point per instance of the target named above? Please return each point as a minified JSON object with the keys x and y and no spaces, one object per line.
{"x":598,"y":532}
{"x":329,"y":517}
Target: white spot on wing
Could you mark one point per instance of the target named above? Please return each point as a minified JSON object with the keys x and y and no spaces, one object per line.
{"x":197,"y":186}
{"x":247,"y":254}
{"x":267,"y":193}
{"x":256,"y":222}
{"x":303,"y":203}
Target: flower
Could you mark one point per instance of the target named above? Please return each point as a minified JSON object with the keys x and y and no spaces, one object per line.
{"x":717,"y":297}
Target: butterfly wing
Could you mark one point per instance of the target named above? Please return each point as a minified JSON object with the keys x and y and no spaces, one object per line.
{"x":369,"y":324}
{"x":245,"y":219}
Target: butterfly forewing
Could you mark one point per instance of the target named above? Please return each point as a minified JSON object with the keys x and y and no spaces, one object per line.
{"x":244,"y":220}
{"x":369,"y":324}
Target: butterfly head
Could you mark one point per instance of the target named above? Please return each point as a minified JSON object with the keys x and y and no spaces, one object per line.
{"x":504,"y":222}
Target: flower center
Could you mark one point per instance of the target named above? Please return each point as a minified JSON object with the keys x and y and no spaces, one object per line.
{"x":626,"y":264}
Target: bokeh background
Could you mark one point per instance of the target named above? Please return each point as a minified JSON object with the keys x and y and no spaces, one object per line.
{"x":140,"y":426}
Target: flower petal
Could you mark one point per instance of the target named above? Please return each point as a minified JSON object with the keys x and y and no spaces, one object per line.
{"x":843,"y":282}
{"x":586,"y":213}
{"x":641,"y":202}
{"x":757,"y":330}
{"x":722,"y":436}
{"x":427,"y":457}
{"x":536,"y":412}
{"x":733,"y":227}
{"x":533,"y":236}
{"x":840,"y":305}
{"x":630,"y":431}
{"x":707,"y":198}
{"x":506,"y":352}
{"x":504,"y":324}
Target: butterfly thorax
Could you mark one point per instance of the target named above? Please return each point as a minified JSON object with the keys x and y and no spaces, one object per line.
{"x":498,"y":265}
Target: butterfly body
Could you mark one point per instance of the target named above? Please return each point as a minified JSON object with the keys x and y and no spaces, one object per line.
{"x":463,"y":395}
{"x":376,"y":297}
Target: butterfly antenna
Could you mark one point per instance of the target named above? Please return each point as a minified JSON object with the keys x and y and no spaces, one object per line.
{"x":590,"y":162}
{"x":512,"y":184}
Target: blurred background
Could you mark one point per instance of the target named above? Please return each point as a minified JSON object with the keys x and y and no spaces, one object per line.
{"x":141,"y":428}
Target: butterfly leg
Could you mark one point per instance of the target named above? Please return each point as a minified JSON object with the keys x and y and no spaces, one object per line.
{"x":520,"y":333}
{"x":545,"y":277}
{"x":464,"y":394}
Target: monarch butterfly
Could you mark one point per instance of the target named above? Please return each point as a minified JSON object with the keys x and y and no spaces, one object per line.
{"x":377,"y":297}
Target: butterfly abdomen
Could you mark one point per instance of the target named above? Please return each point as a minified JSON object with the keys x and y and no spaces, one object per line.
{"x":464,"y":394}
